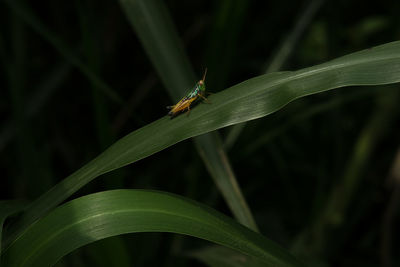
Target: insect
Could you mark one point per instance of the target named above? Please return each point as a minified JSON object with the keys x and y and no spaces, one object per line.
{"x":187,"y":101}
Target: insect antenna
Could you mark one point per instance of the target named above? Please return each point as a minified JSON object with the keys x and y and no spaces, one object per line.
{"x":204,"y":75}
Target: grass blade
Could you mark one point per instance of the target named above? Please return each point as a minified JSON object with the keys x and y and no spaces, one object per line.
{"x":282,"y":55}
{"x":156,"y":32}
{"x":335,"y":211}
{"x":288,"y":44}
{"x":25,"y":14}
{"x":246,"y":101}
{"x":97,"y":216}
{"x":155,"y":29}
{"x":8,"y":208}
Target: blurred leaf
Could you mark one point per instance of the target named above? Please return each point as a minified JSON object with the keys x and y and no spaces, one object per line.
{"x":289,"y":43}
{"x":315,"y":46}
{"x":367,"y":28}
{"x":317,"y":109}
{"x":24,"y":12}
{"x":217,"y":256}
{"x":97,"y":216}
{"x":248,"y":100}
{"x":281,"y":55}
{"x":334,"y":213}
{"x":41,"y":94}
{"x":8,"y":208}
{"x":229,"y":17}
{"x":156,"y":31}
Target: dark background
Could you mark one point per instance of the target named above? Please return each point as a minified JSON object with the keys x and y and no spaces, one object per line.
{"x":53,"y":120}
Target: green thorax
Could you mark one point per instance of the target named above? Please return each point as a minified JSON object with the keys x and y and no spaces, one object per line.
{"x":199,"y":88}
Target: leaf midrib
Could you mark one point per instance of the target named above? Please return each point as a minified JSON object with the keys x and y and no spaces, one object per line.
{"x":131,"y":210}
{"x":274,"y":83}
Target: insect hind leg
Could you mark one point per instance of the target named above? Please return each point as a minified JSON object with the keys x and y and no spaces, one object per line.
{"x":205,"y":99}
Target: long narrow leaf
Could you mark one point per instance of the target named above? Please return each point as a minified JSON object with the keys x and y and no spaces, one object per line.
{"x":97,"y":216}
{"x":29,"y":17}
{"x":246,"y":101}
{"x":281,"y":56}
{"x":155,"y":29}
{"x":8,"y":208}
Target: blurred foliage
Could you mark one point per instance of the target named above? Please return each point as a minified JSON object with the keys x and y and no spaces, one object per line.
{"x":73,"y":90}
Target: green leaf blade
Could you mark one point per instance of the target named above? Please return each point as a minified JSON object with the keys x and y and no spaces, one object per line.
{"x":8,"y":208}
{"x":249,"y":100}
{"x":154,"y":27}
{"x":97,"y":216}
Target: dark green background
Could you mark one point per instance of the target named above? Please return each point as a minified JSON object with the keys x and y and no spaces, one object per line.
{"x":53,"y":120}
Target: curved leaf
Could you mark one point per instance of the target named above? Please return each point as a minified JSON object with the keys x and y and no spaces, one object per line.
{"x":154,"y":26}
{"x":26,"y":14}
{"x":97,"y":216}
{"x":217,"y":256}
{"x":246,"y":101}
{"x":8,"y":208}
